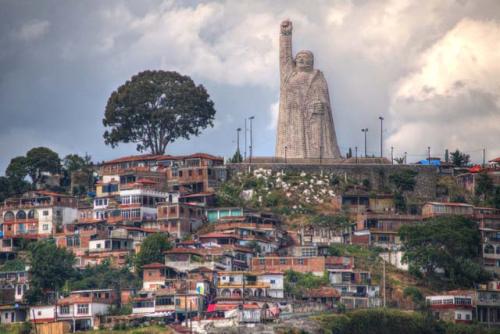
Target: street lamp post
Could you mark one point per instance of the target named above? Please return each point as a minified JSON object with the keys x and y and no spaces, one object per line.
{"x":392,"y":155}
{"x":246,"y":130}
{"x":251,"y":118}
{"x":285,"y":152}
{"x":429,"y":154}
{"x":365,"y":130}
{"x":381,"y":136}
{"x":356,"y":150}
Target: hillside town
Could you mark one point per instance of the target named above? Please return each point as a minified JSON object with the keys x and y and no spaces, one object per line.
{"x":186,"y":167}
{"x":229,"y":266}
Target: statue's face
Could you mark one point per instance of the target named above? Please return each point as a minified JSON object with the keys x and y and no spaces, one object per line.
{"x":304,"y":61}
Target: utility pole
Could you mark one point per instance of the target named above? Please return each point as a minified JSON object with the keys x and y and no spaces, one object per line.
{"x":365,"y":130}
{"x":246,"y":130}
{"x":484,"y":157}
{"x":251,"y":118}
{"x":381,"y":136}
{"x":405,"y":157}
{"x":356,"y":150}
{"x":190,"y":318}
{"x":392,"y":155}
{"x":429,"y":154}
{"x":285,"y":152}
{"x":383,"y":264}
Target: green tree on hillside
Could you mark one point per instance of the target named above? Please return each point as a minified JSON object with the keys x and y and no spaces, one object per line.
{"x":50,"y":268}
{"x":152,"y":250}
{"x":73,"y":163}
{"x":17,"y":168}
{"x":237,"y":158}
{"x":450,"y":244}
{"x":297,"y":284}
{"x":403,"y":181}
{"x":484,"y":187}
{"x":40,"y":160}
{"x":459,"y":159}
{"x":154,"y":108}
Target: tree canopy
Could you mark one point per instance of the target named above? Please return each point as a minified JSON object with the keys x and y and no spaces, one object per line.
{"x":154,"y":108}
{"x":459,"y":159}
{"x":298,"y":284}
{"x":104,"y":276}
{"x":17,"y":168}
{"x":40,"y":160}
{"x":449,"y":244}
{"x":50,"y":268}
{"x":152,"y":249}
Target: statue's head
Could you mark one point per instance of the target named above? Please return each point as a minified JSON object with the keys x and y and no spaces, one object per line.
{"x":304,"y":60}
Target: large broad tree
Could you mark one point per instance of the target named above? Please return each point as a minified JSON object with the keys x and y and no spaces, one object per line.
{"x":50,"y":268}
{"x":154,"y":108}
{"x":449,"y":244}
{"x":40,"y":160}
{"x":73,"y":163}
{"x":17,"y":168}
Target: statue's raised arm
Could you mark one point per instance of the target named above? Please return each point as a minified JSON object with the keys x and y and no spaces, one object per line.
{"x":286,"y":59}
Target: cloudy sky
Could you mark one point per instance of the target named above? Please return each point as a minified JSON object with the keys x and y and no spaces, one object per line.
{"x":431,"y":68}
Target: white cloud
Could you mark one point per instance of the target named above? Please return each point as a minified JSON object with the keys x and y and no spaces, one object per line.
{"x":274,"y":111}
{"x":32,"y":30}
{"x":453,"y":100}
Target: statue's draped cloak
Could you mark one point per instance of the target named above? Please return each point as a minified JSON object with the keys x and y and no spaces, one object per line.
{"x":305,"y":124}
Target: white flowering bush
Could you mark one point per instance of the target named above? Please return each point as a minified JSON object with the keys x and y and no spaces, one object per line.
{"x":286,"y":193}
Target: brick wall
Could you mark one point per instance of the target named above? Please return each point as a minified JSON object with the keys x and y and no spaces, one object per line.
{"x":282,"y":264}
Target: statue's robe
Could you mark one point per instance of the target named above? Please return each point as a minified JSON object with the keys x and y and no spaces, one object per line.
{"x":305,"y":127}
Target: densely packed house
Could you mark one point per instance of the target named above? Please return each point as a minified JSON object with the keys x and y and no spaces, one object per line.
{"x":226,"y":262}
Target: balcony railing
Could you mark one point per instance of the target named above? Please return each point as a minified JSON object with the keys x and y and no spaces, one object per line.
{"x":248,"y":285}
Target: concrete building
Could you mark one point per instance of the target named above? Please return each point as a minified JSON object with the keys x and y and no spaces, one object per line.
{"x":456,"y":308}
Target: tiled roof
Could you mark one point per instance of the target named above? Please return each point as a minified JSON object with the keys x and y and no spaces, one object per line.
{"x":150,"y":157}
{"x":154,"y":265}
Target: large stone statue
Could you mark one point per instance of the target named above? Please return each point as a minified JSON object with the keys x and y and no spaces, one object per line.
{"x":305,"y":124}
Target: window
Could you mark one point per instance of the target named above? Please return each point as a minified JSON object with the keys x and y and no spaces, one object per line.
{"x":82,"y":309}
{"x":467,"y":317}
{"x":262,"y":261}
{"x":190,"y":173}
{"x":273,"y":281}
{"x":45,"y":227}
{"x":200,"y":172}
{"x":64,"y":309}
{"x":283,"y":261}
{"x":459,"y":316}
{"x":45,"y":212}
{"x":300,"y":262}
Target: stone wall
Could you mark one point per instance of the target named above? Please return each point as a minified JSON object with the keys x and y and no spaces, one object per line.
{"x":378,"y":174}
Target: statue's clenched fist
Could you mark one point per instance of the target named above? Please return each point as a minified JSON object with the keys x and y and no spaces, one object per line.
{"x":286,"y":27}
